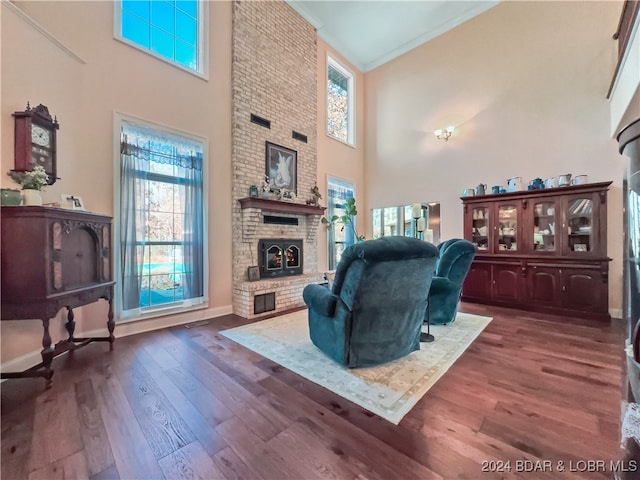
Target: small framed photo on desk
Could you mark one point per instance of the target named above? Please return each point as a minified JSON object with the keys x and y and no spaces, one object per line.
{"x":72,"y":202}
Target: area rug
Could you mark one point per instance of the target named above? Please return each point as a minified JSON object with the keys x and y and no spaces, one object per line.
{"x":388,"y":390}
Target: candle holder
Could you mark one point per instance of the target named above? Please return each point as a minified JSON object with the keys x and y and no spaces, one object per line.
{"x":427,"y":337}
{"x":418,"y":228}
{"x":424,"y":337}
{"x":416,"y":213}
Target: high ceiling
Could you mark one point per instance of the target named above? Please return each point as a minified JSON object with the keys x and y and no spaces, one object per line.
{"x":370,"y":33}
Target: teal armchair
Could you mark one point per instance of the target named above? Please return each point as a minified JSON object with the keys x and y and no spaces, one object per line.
{"x":375,"y":309}
{"x":456,"y":256}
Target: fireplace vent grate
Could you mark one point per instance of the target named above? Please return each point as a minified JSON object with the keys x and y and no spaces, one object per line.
{"x":298,"y":136}
{"x":263,"y":122}
{"x":264,"y":303}
{"x":278,"y":220}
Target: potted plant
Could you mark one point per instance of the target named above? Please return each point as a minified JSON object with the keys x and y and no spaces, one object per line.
{"x":31,"y":182}
{"x":347,"y":219}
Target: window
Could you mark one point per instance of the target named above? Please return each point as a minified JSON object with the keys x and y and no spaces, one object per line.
{"x":391,"y":221}
{"x":162,"y":230}
{"x":171,"y":30}
{"x":339,"y":238}
{"x":339,"y":102}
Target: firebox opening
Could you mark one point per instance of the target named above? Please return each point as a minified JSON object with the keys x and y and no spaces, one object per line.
{"x":279,"y":257}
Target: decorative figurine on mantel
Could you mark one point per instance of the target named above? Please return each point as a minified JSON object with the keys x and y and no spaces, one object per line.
{"x":266,"y":186}
{"x":287,"y":195}
{"x":315,"y":201}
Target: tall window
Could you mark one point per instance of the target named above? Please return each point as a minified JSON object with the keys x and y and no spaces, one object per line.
{"x":162,"y":230}
{"x":340,"y":105}
{"x":339,"y":238}
{"x":173,"y":30}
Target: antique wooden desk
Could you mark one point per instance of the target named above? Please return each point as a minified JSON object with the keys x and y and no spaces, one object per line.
{"x":53,"y":258}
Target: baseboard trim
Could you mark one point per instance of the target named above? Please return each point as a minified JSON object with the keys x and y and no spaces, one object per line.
{"x":148,"y":325}
{"x":615,"y":313}
{"x":28,"y":360}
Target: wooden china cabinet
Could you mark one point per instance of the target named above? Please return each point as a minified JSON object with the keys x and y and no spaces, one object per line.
{"x":543,"y":250}
{"x":51,"y":259}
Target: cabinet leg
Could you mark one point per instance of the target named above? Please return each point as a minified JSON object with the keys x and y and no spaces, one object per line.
{"x":110,"y":323}
{"x":70,"y":325}
{"x":47,"y":353}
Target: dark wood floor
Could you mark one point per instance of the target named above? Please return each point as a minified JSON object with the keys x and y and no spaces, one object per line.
{"x":189,"y":403}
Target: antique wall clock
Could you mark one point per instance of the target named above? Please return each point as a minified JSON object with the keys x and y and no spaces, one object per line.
{"x":35,"y":140}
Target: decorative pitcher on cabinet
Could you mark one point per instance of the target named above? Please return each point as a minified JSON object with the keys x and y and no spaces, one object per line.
{"x":514,"y":184}
{"x":579,"y":180}
{"x":564,"y":180}
{"x":481,"y":189}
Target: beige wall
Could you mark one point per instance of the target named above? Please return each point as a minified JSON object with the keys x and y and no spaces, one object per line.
{"x":84,"y":93}
{"x":335,"y":158}
{"x":631,"y":113}
{"x":525,"y":86}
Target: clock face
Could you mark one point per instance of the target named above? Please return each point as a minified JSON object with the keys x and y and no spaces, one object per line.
{"x":40,"y":136}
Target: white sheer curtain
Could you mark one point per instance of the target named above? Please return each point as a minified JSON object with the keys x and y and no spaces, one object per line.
{"x":152,"y":156}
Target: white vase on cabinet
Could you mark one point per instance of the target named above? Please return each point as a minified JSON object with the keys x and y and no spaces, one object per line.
{"x":31,"y":197}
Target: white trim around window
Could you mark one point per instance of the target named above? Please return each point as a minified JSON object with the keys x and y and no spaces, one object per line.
{"x":351,"y":94}
{"x":177,"y":307}
{"x":203,"y":40}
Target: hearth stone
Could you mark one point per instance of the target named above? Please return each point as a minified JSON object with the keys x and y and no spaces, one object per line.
{"x":288,"y":291}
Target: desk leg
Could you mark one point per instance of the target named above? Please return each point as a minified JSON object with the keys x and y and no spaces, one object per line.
{"x":70,"y":325}
{"x":110,"y":323}
{"x":47,"y":353}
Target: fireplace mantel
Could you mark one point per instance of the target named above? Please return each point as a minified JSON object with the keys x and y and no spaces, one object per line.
{"x":280,"y":206}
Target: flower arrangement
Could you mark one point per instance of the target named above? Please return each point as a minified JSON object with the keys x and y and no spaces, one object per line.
{"x":30,"y":180}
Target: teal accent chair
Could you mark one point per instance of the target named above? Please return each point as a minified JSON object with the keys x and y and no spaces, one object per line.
{"x":456,"y":256}
{"x":375,"y":309}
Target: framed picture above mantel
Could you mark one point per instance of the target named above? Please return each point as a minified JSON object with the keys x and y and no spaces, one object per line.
{"x":281,"y":166}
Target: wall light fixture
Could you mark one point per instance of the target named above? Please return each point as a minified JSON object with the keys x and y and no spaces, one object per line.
{"x":444,"y":134}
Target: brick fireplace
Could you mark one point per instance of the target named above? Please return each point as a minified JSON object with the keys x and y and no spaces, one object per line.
{"x":274,"y":69}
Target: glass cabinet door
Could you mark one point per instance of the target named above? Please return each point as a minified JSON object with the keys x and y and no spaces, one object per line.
{"x":544,"y":226}
{"x":507,"y":228}
{"x":579,"y":225}
{"x":480,"y":227}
